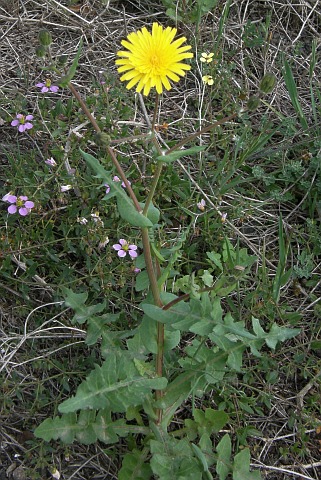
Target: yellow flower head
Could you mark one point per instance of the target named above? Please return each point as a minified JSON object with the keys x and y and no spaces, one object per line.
{"x":151,"y":59}
{"x":208,"y":79}
{"x":207,"y":57}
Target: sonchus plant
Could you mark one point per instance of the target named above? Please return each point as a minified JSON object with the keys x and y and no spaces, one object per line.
{"x":186,"y":344}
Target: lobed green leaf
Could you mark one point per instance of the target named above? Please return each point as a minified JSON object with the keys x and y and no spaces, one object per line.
{"x":115,"y":385}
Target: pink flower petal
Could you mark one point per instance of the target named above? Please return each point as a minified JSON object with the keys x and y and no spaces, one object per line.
{"x":40,"y":85}
{"x":29,"y":117}
{"x":132,"y":247}
{"x":29,"y":204}
{"x":22,"y":128}
{"x":51,"y":162}
{"x":117,"y":247}
{"x":28,"y":125}
{"x":23,"y":197}
{"x":54,"y":88}
{"x":12,"y":209}
{"x":132,"y":253}
{"x":14,"y":123}
{"x":122,"y":241}
{"x":23,"y":211}
{"x":122,"y":253}
{"x":10,"y":198}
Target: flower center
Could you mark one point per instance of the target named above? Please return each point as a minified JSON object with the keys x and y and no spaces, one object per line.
{"x":125,"y":248}
{"x":48,"y":82}
{"x":19,"y":202}
{"x":22,"y":120}
{"x":154,"y":60}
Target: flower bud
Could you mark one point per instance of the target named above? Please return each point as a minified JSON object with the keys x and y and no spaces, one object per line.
{"x":45,"y":38}
{"x":62,"y":60}
{"x":268,"y":83}
{"x":102,"y":139}
{"x":253,"y":102}
{"x":41,"y":51}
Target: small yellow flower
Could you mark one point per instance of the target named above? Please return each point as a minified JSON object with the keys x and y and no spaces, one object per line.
{"x":207,"y":57}
{"x":152,"y":59}
{"x":208,"y":79}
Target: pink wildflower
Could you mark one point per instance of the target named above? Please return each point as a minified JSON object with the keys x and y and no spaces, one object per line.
{"x":115,"y":179}
{"x":46,"y":86}
{"x":201,"y":205}
{"x":123,"y":248}
{"x":22,"y":122}
{"x":22,"y":204}
{"x":51,"y":162}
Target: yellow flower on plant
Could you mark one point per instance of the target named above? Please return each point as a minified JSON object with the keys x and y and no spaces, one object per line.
{"x":207,"y":57}
{"x":208,"y":79}
{"x":152,"y":59}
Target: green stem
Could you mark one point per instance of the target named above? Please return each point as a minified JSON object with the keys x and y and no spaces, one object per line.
{"x":150,"y":267}
{"x":153,"y":187}
{"x":155,"y":111}
{"x":145,"y":237}
{"x":160,"y":350}
{"x":160,"y":327}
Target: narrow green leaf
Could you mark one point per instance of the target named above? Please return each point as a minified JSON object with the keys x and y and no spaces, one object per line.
{"x":157,"y":253}
{"x":200,"y":455}
{"x":129,"y":213}
{"x":153,"y":214}
{"x":63,"y":82}
{"x":125,"y":205}
{"x":293,"y":92}
{"x":171,"y":157}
